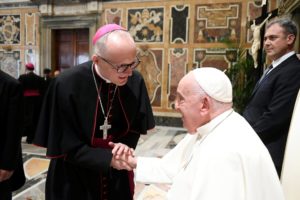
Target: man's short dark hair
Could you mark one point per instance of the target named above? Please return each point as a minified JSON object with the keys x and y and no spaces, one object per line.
{"x":47,"y":71}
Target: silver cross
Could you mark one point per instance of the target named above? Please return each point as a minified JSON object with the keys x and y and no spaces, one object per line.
{"x":104,"y":128}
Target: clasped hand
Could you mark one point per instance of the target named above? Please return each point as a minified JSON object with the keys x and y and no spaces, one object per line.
{"x":123,"y":157}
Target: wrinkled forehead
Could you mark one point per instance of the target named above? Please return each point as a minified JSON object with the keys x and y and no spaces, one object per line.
{"x":187,"y":84}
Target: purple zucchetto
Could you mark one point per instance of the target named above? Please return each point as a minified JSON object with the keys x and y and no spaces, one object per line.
{"x":106,"y":29}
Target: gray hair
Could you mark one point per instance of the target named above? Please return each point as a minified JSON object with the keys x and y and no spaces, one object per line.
{"x":287,"y":24}
{"x":100,"y":46}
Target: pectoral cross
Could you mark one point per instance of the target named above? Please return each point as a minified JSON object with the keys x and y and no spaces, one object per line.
{"x":104,"y":128}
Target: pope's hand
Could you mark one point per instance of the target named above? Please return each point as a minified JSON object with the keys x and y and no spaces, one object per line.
{"x":123,"y":156}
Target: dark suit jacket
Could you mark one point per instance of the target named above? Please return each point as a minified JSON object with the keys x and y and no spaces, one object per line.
{"x":270,"y":108}
{"x":11,"y":105}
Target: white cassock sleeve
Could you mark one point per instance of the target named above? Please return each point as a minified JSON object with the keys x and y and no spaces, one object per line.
{"x":163,"y":170}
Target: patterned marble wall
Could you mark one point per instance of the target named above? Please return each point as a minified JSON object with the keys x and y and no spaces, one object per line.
{"x":146,"y":24}
{"x":174,"y":37}
{"x":19,"y":39}
{"x":151,"y":68}
{"x":10,"y":29}
{"x":179,"y":22}
{"x":217,"y":22}
{"x":178,"y":59}
{"x":10,"y":62}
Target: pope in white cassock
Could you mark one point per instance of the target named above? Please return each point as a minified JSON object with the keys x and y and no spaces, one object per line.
{"x":221,"y":157}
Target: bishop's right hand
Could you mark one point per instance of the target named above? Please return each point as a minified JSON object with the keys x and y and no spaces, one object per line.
{"x":123,"y":157}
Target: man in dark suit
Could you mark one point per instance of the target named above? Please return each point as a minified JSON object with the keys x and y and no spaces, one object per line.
{"x":11,"y":164}
{"x":33,"y":89}
{"x":272,"y":101}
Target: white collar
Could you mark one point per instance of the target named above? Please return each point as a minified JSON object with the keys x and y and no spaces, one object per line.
{"x":277,"y":62}
{"x":97,"y":69}
{"x":204,"y":130}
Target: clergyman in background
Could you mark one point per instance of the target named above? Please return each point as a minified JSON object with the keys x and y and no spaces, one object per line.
{"x":33,"y":90}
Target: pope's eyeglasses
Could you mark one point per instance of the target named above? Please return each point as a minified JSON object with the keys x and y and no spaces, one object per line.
{"x":123,"y":67}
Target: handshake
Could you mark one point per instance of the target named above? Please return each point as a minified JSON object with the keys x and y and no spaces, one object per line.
{"x":123,"y":157}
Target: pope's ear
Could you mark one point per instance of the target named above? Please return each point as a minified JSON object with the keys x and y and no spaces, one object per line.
{"x":206,"y":103}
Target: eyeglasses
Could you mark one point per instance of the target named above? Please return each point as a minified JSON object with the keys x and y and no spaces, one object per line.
{"x":123,"y":67}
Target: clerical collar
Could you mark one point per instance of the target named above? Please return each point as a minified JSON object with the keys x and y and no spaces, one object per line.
{"x":204,"y":130}
{"x":98,"y":72}
{"x":277,"y":62}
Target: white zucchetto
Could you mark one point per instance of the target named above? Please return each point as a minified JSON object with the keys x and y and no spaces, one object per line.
{"x":215,"y":83}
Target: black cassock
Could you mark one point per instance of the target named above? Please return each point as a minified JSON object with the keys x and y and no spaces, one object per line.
{"x":33,"y":89}
{"x":69,"y":129}
{"x":11,"y":121}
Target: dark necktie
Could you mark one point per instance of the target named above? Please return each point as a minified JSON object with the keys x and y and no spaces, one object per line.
{"x":265,"y":73}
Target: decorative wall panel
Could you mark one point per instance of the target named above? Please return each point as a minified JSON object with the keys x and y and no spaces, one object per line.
{"x":146,"y":24}
{"x":9,"y":62}
{"x":178,"y":60}
{"x":179,"y":24}
{"x":10,"y":29}
{"x":113,"y":15}
{"x":217,"y":22}
{"x":151,"y":68}
{"x":19,"y":29}
{"x":254,"y":9}
{"x":219,"y":58}
{"x":30,"y":29}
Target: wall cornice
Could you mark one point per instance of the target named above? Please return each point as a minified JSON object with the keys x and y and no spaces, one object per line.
{"x":287,"y":6}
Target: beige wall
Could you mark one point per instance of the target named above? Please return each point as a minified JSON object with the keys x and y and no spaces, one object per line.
{"x":201,"y":42}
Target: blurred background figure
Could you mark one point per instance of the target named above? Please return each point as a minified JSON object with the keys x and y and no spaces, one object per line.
{"x":11,"y":164}
{"x":33,"y":89}
{"x":56,"y":73}
{"x":47,"y":78}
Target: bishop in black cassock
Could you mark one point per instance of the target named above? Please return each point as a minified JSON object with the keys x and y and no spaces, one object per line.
{"x":69,"y":129}
{"x":33,"y":89}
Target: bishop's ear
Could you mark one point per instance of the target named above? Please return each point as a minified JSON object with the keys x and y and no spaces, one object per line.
{"x":95,"y":59}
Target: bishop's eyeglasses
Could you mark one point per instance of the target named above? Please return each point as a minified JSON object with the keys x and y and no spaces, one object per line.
{"x":123,"y":67}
